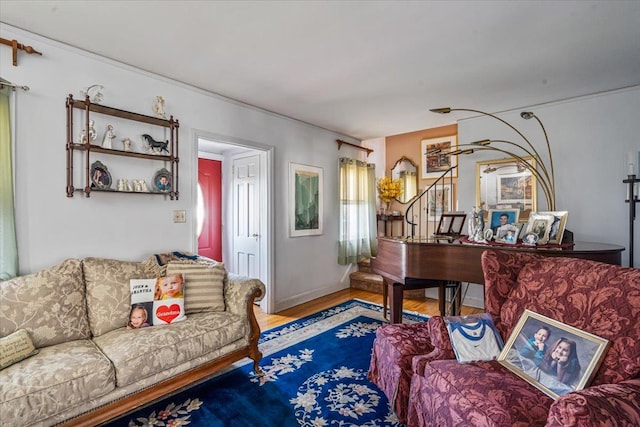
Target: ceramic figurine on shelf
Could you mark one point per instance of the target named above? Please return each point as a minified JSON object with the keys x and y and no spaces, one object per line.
{"x":92,"y":131}
{"x":94,"y":92}
{"x":126,"y":143}
{"x":158,"y":108}
{"x":123,"y":185}
{"x":108,"y":137}
{"x":153,"y":144}
{"x":140,"y":186}
{"x":83,"y":136}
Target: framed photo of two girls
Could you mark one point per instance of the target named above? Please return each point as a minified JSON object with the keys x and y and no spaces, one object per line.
{"x":554,"y":357}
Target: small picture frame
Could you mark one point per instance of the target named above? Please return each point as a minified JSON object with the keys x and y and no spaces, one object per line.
{"x":162,"y":181}
{"x":530,"y":239}
{"x":540,"y":224}
{"x":100,"y":176}
{"x":552,"y":356}
{"x":557,"y":227}
{"x":451,"y":223}
{"x":497,"y":218}
{"x":507,"y":234}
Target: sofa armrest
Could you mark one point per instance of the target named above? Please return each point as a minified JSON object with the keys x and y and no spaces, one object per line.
{"x":441,"y":345}
{"x":605,"y":404}
{"x":240,"y":291}
{"x":439,"y":334}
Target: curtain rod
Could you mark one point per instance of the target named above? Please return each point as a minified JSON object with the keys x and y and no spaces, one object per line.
{"x":15,"y":46}
{"x":340,"y":142}
{"x":14,"y":86}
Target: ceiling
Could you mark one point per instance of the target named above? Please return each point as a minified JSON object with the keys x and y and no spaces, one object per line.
{"x":365,"y":69}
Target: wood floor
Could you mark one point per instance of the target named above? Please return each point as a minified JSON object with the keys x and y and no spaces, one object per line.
{"x":423,"y":305}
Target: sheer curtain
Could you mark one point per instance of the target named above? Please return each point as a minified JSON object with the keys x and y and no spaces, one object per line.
{"x":358,"y":227}
{"x":8,"y":245}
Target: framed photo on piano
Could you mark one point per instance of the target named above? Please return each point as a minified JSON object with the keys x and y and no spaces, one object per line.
{"x":451,"y":223}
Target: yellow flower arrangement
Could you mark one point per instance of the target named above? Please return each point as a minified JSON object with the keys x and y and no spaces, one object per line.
{"x":389,"y":189}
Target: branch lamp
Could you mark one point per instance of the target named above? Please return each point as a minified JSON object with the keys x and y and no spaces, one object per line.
{"x":544,"y":175}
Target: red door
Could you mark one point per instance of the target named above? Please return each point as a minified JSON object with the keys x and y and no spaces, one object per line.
{"x":210,"y":181}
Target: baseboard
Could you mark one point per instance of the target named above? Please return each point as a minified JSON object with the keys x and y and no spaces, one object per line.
{"x":308,"y":296}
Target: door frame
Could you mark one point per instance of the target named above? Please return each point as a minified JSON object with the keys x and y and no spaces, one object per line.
{"x":267,"y":242}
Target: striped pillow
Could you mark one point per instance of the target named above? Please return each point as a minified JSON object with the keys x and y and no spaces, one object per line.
{"x":204,"y":285}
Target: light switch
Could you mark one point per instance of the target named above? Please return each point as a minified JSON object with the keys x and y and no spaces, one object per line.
{"x":180,"y":216}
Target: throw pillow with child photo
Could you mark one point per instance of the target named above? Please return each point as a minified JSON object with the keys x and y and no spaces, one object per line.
{"x":158,"y":301}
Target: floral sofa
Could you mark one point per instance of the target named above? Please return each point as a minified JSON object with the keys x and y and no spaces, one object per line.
{"x":416,"y":367}
{"x":89,"y":367}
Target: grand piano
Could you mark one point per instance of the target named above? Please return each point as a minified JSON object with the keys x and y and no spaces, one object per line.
{"x":409,"y":263}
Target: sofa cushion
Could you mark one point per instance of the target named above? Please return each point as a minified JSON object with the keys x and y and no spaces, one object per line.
{"x":598,"y":298}
{"x":204,"y":283}
{"x":49,"y":304}
{"x":108,"y":294}
{"x":16,"y":347}
{"x":48,"y":383}
{"x":140,"y":353}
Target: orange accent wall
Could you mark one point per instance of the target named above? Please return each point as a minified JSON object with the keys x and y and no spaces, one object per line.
{"x":409,"y":145}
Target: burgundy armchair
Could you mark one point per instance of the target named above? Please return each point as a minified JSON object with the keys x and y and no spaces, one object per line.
{"x":598,"y":298}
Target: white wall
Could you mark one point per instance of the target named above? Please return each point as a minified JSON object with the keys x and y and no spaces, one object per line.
{"x":52,"y":227}
{"x":589,"y":137}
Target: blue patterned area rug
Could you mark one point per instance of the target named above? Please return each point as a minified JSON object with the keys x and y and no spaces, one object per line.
{"x":315,"y":374}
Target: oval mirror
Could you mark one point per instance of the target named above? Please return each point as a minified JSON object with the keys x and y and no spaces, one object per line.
{"x":406,"y":171}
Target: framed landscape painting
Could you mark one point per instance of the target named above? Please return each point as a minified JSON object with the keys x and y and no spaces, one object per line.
{"x":305,"y":200}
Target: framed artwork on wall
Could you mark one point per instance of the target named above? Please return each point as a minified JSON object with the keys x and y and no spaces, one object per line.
{"x":440,"y":199}
{"x":435,"y":157}
{"x":305,"y":200}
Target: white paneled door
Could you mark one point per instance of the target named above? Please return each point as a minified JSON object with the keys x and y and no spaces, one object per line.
{"x":246,"y":224}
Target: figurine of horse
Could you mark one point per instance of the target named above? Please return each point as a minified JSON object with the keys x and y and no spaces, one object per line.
{"x":153,"y":144}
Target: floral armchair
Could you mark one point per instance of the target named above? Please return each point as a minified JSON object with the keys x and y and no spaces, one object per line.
{"x":598,"y":298}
